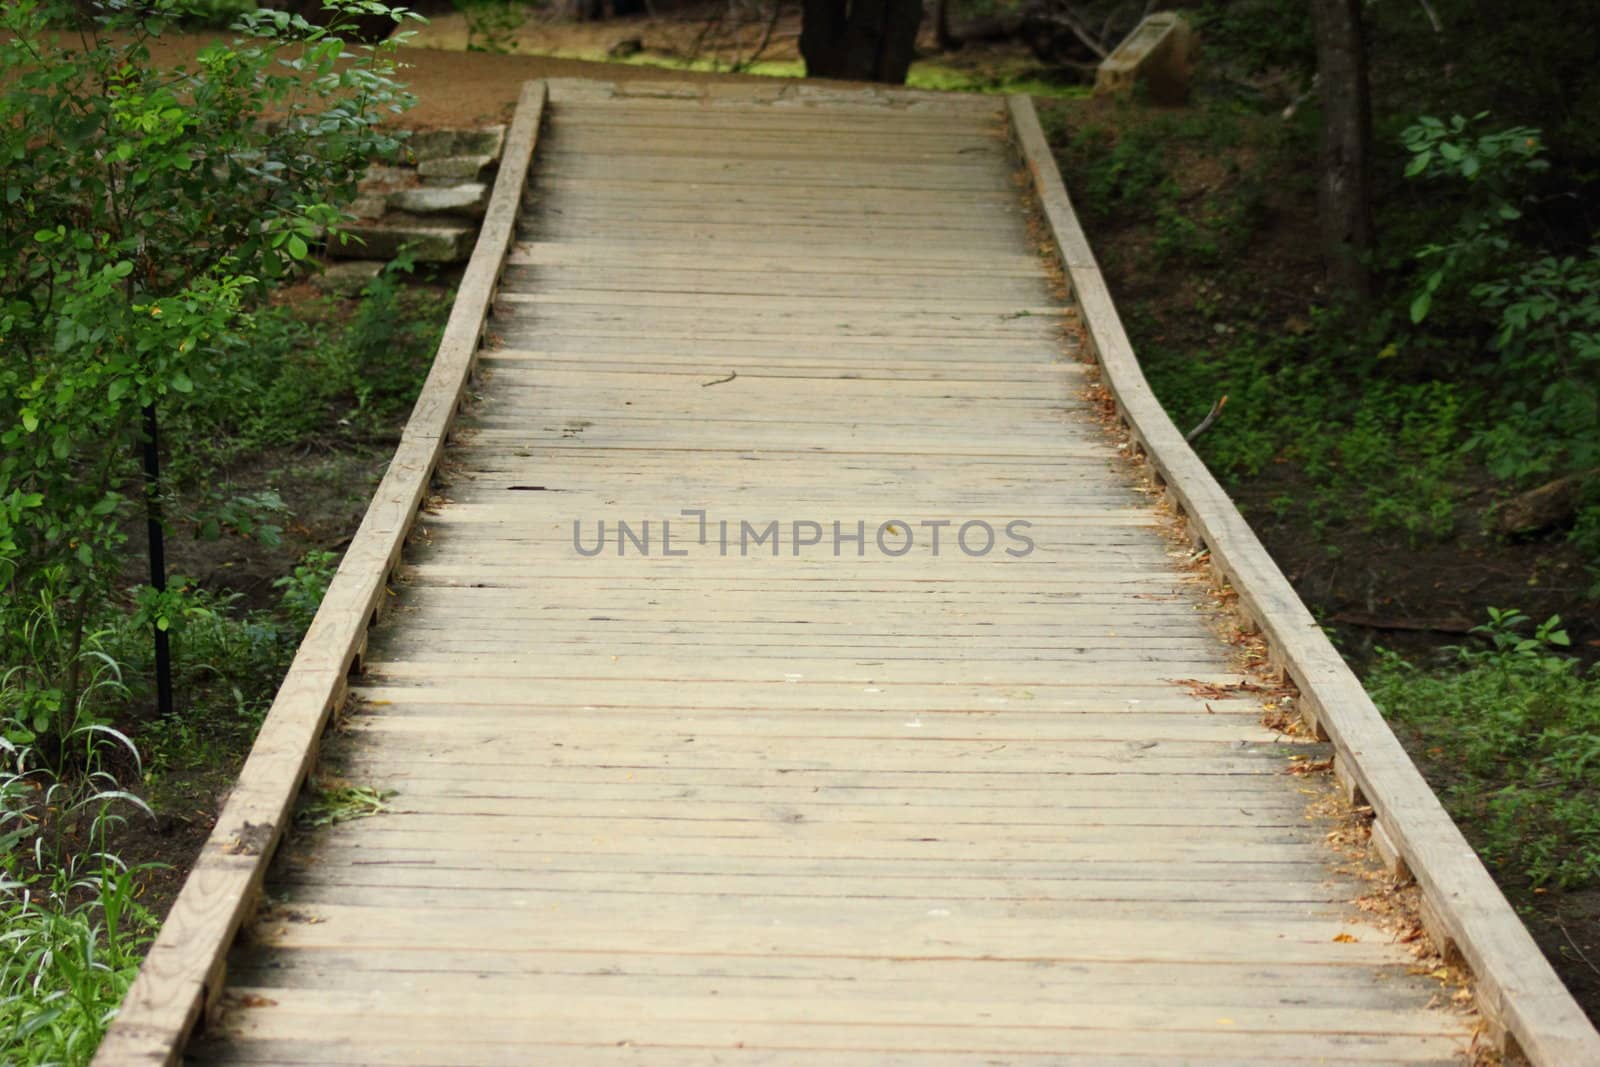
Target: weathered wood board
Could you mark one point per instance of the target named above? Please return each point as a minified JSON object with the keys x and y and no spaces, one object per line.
{"x":823,"y":800}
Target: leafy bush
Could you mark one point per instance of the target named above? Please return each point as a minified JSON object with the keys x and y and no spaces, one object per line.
{"x":1548,"y":367}
{"x":1514,"y":729}
{"x":144,"y":208}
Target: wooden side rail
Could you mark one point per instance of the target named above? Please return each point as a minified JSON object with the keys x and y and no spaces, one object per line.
{"x":183,"y":972}
{"x":1530,"y":1012}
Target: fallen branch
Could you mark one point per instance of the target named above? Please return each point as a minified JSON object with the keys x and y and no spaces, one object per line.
{"x":1061,"y":15}
{"x":1205,"y":423}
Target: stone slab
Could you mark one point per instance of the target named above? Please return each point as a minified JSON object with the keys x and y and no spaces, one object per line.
{"x":426,"y":145}
{"x":466,"y":201}
{"x":434,"y":242}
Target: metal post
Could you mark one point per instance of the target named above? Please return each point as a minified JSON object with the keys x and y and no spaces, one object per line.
{"x":158,"y":554}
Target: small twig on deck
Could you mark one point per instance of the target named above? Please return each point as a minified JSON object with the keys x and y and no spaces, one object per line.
{"x":718,"y":381}
{"x":1205,"y":423}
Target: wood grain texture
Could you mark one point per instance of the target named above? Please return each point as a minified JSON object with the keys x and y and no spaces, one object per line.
{"x":803,"y":806}
{"x":1516,"y":987}
{"x":184,"y":969}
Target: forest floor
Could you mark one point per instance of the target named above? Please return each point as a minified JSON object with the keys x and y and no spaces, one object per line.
{"x":1417,"y":594}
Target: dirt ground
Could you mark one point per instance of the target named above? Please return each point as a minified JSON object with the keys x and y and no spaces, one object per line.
{"x":455,"y":88}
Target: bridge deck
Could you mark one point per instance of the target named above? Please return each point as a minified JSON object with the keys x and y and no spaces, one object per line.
{"x":748,"y":807}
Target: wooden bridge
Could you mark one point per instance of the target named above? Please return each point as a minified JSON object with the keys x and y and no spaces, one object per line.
{"x":703,"y":749}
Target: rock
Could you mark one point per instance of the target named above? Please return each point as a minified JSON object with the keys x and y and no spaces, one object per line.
{"x":1159,"y":53}
{"x":424,"y":145}
{"x":348,"y":278}
{"x":628,"y":46}
{"x":428,"y":241}
{"x":428,"y":145}
{"x":488,"y":141}
{"x":369,"y":206}
{"x":451,"y":170}
{"x":467,"y":201}
{"x":1551,"y":505}
{"x":383,"y":174}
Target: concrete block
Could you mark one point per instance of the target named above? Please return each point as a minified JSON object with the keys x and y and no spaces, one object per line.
{"x":1159,"y":52}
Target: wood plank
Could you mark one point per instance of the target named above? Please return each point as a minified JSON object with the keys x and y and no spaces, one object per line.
{"x":786,"y":810}
{"x":394,"y":1006}
{"x":538,"y":251}
{"x":742,"y":1054}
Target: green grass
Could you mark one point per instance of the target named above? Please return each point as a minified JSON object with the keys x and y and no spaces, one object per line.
{"x":71,"y":929}
{"x":330,"y":804}
{"x":69,"y":951}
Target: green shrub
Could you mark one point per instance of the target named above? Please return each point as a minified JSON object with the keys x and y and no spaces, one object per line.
{"x":144,"y":208}
{"x":1513,"y":733}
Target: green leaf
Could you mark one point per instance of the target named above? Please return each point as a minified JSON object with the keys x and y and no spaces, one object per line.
{"x":1420,"y":306}
{"x":297,"y":247}
{"x":182,"y":383}
{"x":30,"y":419}
{"x":118,"y":389}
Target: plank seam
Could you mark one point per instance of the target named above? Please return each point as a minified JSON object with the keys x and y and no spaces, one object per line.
{"x":183,"y":970}
{"x":1519,"y":993}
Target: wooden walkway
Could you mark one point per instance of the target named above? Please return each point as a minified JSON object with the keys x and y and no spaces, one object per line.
{"x":763,"y":794}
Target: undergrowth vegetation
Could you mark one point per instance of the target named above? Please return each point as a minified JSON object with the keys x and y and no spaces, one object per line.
{"x":153,"y":218}
{"x":1415,"y":458}
{"x":1513,"y":732}
{"x":1392,"y":422}
{"x":312,"y":378}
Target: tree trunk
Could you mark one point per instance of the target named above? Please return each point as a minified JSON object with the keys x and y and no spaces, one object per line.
{"x":1344,"y":194}
{"x":948,"y":41}
{"x":860,"y":40}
